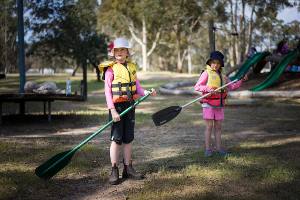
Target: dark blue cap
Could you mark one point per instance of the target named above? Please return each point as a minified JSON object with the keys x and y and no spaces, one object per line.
{"x":216,"y":55}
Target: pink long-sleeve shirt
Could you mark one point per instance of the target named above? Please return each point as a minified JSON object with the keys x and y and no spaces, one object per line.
{"x":202,"y":87}
{"x":109,"y":77}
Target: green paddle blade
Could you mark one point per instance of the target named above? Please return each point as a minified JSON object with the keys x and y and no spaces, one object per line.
{"x":163,"y":116}
{"x":54,"y":165}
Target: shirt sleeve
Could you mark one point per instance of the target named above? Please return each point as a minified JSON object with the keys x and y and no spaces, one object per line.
{"x":201,"y":83}
{"x":233,"y":86}
{"x":139,"y":89}
{"x":109,"y":77}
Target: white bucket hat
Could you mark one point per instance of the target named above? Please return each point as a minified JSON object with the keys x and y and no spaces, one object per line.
{"x":121,"y":43}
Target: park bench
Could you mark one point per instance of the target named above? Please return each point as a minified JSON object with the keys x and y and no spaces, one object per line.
{"x":47,"y":99}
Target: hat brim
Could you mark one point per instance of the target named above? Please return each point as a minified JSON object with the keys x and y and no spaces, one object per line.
{"x":209,"y":60}
{"x":112,"y":53}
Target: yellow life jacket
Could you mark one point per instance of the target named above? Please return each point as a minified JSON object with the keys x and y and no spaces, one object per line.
{"x":215,"y":80}
{"x":124,"y":83}
{"x":104,"y":66}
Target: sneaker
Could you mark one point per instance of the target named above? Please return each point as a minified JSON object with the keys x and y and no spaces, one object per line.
{"x":223,"y":152}
{"x":208,"y":153}
{"x":129,"y":172}
{"x":114,"y":176}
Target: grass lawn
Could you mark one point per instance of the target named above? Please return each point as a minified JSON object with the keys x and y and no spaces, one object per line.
{"x":264,"y":140}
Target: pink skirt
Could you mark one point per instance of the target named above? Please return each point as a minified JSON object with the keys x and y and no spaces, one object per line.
{"x":213,"y":113}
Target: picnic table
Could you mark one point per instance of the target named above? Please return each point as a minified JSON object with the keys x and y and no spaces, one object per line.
{"x":47,"y":99}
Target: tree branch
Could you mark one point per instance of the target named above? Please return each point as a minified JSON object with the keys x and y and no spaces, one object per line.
{"x":154,"y":43}
{"x":132,"y":31}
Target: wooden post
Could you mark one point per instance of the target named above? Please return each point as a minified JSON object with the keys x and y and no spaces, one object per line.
{"x":22,"y":107}
{"x":49,"y":111}
{"x":0,"y":112}
{"x":45,"y":107}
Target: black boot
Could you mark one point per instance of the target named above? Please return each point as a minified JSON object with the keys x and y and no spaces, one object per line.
{"x":129,"y":172}
{"x":114,"y":176}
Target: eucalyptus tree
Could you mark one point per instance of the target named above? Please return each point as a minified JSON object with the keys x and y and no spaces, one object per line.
{"x":8,"y":35}
{"x":263,"y":17}
{"x":183,"y":19}
{"x":142,"y":20}
{"x":253,"y":20}
{"x":67,"y":29}
{"x":214,"y":12}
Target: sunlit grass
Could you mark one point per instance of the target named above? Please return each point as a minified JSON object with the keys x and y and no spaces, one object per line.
{"x":270,"y":143}
{"x":264,"y":163}
{"x":11,"y":83}
{"x":238,"y":176}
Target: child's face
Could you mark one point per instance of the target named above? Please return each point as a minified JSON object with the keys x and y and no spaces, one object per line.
{"x":215,"y":65}
{"x":120,"y":54}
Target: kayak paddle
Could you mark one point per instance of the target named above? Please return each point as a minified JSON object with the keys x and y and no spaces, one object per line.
{"x":165,"y":115}
{"x":52,"y":166}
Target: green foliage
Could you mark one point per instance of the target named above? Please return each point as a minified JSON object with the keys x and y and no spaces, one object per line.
{"x":266,"y":22}
{"x":117,"y":15}
{"x":66,"y":29}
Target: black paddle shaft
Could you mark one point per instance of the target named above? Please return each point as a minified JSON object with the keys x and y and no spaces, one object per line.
{"x":165,"y":115}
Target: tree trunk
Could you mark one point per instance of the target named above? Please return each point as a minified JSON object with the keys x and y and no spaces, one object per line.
{"x":180,"y":55}
{"x":189,"y":60}
{"x":143,"y":42}
{"x":5,"y":42}
{"x":75,"y":70}
{"x":84,"y":80}
{"x":97,"y":70}
{"x":251,"y":26}
{"x":236,"y":40}
{"x":233,"y":43}
{"x":243,"y":33}
{"x":211,"y":35}
{"x":98,"y":74}
{"x":179,"y":64}
{"x":144,"y":46}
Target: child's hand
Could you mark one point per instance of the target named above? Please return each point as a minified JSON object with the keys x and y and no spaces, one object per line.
{"x":152,"y":91}
{"x":245,"y":78}
{"x":212,"y":91}
{"x":115,"y":115}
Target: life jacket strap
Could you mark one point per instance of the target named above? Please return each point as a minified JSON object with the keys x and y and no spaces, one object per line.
{"x":120,"y":88}
{"x":123,"y":84}
{"x":124,"y":93}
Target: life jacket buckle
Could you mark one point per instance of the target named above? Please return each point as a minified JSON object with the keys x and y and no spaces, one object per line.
{"x":129,"y":94}
{"x":120,"y":88}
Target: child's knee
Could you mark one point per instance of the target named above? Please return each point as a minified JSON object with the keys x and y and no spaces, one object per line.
{"x":209,"y":127}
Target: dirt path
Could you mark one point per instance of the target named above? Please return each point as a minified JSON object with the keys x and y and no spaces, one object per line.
{"x":154,"y":144}
{"x":155,"y":147}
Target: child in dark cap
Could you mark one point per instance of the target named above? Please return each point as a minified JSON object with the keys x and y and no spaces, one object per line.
{"x":213,"y":106}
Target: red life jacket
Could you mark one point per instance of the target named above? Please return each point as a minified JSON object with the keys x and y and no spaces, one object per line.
{"x":215,"y":100}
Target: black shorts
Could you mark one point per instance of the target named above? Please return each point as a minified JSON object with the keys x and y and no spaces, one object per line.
{"x":123,"y":130}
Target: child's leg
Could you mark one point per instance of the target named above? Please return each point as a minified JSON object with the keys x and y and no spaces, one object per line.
{"x":114,"y":153}
{"x":127,"y":153}
{"x":209,"y":125}
{"x":129,"y":171}
{"x":218,"y":130}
